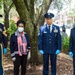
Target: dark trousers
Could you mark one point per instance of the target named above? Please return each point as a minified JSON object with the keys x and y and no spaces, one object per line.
{"x":20,"y":61}
{"x":73,"y":65}
{"x":1,"y":68}
{"x":46,"y":64}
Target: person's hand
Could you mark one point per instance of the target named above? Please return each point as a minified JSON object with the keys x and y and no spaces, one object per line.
{"x":57,"y":52}
{"x":41,"y":52}
{"x":28,"y":51}
{"x":71,"y":54}
{"x":5,"y":50}
{"x":29,"y":55}
{"x":14,"y":58}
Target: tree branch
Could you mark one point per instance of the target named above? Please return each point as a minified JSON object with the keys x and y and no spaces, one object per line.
{"x":32,"y":11}
{"x":10,"y":6}
{"x":5,"y":6}
{"x":26,"y":3}
{"x":43,"y":10}
{"x":21,"y":9}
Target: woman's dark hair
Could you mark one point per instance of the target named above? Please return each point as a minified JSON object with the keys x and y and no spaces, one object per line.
{"x":20,"y":21}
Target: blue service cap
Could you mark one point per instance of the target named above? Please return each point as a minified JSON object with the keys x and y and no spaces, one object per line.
{"x":49,"y":15}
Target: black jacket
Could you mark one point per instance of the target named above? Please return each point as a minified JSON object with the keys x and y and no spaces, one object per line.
{"x":3,"y":36}
{"x":14,"y":44}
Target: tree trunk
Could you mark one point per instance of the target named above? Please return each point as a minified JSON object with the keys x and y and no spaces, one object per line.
{"x":6,"y":20}
{"x":7,"y":9}
{"x":45,"y":6}
{"x":26,"y":12}
{"x":34,"y":47}
{"x":6,"y":15}
{"x":28,"y":17}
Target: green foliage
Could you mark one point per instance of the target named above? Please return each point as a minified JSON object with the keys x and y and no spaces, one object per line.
{"x":12,"y":28}
{"x":8,"y":2}
{"x":72,"y":12}
{"x":69,"y":21}
{"x":65,"y":44}
{"x":58,"y":4}
{"x":1,"y":3}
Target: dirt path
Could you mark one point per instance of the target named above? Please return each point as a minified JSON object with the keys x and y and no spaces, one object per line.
{"x":64,"y":66}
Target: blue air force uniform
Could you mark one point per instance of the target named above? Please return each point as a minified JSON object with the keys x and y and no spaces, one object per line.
{"x":72,"y":47}
{"x":49,"y":40}
{"x":3,"y":44}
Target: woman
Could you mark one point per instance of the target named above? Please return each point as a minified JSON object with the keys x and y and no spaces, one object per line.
{"x":19,"y":47}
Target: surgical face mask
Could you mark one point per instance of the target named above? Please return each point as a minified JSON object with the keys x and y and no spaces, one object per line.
{"x":20,"y":29}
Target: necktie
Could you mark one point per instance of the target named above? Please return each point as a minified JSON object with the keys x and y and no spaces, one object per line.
{"x":49,"y":28}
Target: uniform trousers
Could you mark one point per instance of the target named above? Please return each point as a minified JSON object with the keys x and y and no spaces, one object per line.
{"x":73,"y":65}
{"x":46,"y":64}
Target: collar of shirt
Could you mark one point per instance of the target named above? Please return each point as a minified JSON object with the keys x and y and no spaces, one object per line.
{"x":50,"y":27}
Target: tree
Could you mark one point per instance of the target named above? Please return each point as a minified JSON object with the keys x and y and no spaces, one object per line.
{"x":58,"y":4}
{"x":32,"y":11}
{"x":7,"y":4}
{"x":72,"y":15}
{"x":0,"y":4}
{"x":25,"y":9}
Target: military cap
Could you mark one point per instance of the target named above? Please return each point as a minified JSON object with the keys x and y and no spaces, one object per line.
{"x":49,"y":15}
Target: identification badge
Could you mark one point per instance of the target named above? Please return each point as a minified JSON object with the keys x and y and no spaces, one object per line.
{"x":38,"y":33}
{"x":44,"y":32}
{"x":56,"y":31}
{"x":0,"y":30}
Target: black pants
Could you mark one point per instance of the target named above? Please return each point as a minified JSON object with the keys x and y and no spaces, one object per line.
{"x":46,"y":64}
{"x":20,"y":60}
{"x":73,"y":65}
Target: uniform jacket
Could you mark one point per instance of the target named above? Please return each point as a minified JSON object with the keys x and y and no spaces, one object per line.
{"x":3,"y":36}
{"x":72,"y":41}
{"x":49,"y":42}
{"x":14,"y":44}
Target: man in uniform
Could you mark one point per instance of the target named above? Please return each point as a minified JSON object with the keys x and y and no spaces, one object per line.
{"x":72,"y":47}
{"x":49,"y":44}
{"x":3,"y":45}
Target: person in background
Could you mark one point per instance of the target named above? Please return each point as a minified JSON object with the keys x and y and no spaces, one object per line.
{"x":72,"y":47}
{"x":3,"y":45}
{"x":19,"y":47}
{"x":49,"y":44}
{"x":63,"y":28}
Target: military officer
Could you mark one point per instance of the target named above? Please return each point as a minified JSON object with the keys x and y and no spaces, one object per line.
{"x":49,"y":44}
{"x":72,"y":47}
{"x":3,"y":45}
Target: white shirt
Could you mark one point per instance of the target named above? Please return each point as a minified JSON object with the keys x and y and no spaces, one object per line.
{"x":50,"y":27}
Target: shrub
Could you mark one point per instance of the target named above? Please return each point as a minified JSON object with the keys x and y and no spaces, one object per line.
{"x":12,"y":28}
{"x":65,"y":44}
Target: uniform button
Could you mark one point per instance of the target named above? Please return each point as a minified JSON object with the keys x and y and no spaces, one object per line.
{"x":49,"y":42}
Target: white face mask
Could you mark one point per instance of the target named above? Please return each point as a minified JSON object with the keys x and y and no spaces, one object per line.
{"x":20,"y":29}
